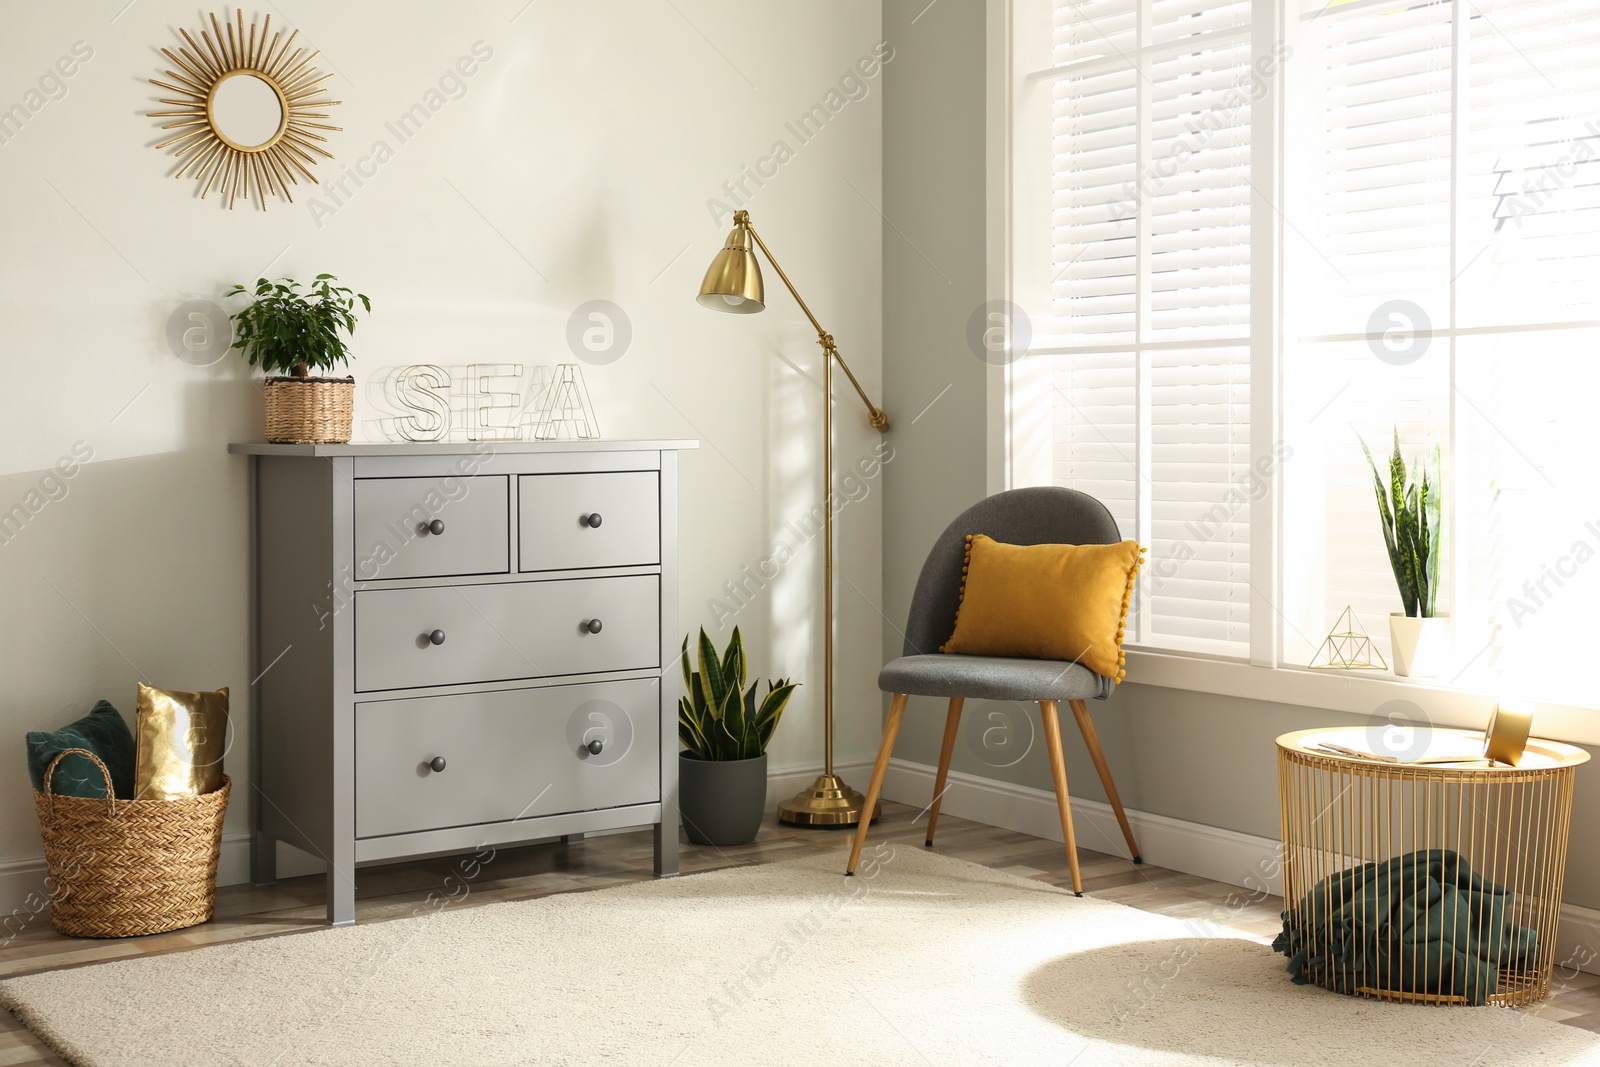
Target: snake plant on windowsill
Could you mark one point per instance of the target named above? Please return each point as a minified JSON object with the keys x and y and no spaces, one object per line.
{"x":719,"y":719}
{"x":1409,"y":509}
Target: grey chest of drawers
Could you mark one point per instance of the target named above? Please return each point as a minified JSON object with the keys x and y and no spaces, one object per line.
{"x":457,"y":646}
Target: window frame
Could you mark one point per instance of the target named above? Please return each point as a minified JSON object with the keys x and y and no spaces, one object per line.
{"x":1018,"y":98}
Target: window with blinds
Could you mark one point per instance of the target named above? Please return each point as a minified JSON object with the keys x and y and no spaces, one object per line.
{"x":1370,"y":184}
{"x":1439,"y":234}
{"x":1448,"y":190}
{"x":1150,"y":298}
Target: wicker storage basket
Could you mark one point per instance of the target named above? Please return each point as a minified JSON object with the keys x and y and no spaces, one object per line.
{"x":309,"y":411}
{"x":119,"y":868}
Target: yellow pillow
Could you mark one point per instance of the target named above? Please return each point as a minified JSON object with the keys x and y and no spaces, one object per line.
{"x":181,"y":740}
{"x":1065,"y":602}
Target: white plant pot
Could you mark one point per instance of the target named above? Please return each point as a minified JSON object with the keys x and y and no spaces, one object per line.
{"x":1423,"y":648}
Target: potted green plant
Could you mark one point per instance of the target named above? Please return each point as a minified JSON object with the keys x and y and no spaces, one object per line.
{"x":290,"y":333}
{"x":1409,"y":507}
{"x":722,"y":770}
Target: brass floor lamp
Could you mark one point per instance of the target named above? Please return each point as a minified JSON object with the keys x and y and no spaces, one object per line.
{"x":733,"y":284}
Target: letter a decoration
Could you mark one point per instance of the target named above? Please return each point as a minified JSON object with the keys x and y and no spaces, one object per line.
{"x":567,"y":411}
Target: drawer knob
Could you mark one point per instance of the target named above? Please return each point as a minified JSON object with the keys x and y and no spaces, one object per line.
{"x":436,"y":527}
{"x":593,"y":626}
{"x":437,"y":763}
{"x":595,"y":746}
{"x":592,"y":520}
{"x":437,"y":637}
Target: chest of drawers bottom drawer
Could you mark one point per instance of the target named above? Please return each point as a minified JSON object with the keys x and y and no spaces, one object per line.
{"x":435,"y":762}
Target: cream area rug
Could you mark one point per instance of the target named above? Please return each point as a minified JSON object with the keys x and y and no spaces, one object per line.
{"x":918,"y":960}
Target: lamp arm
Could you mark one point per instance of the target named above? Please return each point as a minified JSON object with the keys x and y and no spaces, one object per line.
{"x":875,"y":414}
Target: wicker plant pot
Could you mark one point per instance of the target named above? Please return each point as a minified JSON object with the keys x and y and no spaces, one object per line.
{"x":310,"y":411}
{"x":119,"y":868}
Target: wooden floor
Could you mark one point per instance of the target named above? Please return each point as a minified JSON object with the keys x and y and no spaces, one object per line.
{"x":391,"y":892}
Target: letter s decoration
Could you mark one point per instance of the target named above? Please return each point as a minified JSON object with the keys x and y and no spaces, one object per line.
{"x":424,"y":390}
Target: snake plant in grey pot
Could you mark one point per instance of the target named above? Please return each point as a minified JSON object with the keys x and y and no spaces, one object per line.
{"x":1410,"y":503}
{"x":722,"y":770}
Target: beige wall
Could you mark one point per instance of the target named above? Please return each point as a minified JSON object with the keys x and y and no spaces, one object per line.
{"x":1192,"y":756}
{"x":933,"y":262}
{"x":576,"y":163}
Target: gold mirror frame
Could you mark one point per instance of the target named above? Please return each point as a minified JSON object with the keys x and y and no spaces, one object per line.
{"x":213,"y":159}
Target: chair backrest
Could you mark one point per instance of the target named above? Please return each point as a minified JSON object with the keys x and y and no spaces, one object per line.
{"x":1035,"y":516}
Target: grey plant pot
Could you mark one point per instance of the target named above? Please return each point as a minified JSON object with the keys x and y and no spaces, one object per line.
{"x":722,"y":800}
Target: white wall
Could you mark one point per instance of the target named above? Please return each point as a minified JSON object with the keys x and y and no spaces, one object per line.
{"x":577,"y":165}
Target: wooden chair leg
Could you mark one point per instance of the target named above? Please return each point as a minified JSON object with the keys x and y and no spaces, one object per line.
{"x":1058,"y":771}
{"x":891,"y":727}
{"x":1092,"y":741}
{"x":952,"y":721}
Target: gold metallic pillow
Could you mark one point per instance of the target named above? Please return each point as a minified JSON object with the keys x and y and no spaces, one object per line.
{"x":1063,"y":602}
{"x":181,"y":740}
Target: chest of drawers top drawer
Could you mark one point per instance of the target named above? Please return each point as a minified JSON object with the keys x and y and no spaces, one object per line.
{"x":432,"y":527}
{"x":573,"y":521}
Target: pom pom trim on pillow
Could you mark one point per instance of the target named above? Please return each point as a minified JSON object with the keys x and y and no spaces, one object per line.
{"x":1052,"y":601}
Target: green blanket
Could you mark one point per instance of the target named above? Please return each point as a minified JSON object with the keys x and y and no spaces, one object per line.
{"x":1418,"y":923}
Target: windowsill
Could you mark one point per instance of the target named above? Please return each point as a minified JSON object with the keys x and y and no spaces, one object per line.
{"x":1353,"y":692}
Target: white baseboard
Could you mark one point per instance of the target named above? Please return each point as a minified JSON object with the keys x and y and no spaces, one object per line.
{"x":24,"y":887}
{"x":24,"y":895}
{"x":233,"y":865}
{"x":781,"y":785}
{"x":1578,"y":940}
{"x":1221,"y":855}
{"x":24,"y":891}
{"x":1192,"y":848}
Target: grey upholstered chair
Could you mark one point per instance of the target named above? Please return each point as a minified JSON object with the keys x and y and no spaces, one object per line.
{"x":1047,"y":515}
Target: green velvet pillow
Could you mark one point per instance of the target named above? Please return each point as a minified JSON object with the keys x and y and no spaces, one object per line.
{"x":102,"y":732}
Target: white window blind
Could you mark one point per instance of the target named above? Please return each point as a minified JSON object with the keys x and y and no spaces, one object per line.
{"x":1531,"y":225}
{"x":1149,"y":314}
{"x":1448,"y":268}
{"x":1530,"y":257}
{"x":1438,"y":215}
{"x":1375,"y":150}
{"x":1378,"y":181}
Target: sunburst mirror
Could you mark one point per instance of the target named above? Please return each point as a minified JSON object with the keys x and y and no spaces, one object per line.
{"x":248,"y":104}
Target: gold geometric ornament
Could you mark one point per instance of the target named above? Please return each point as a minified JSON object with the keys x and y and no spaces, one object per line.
{"x":1348,"y":648}
{"x":248,"y":100}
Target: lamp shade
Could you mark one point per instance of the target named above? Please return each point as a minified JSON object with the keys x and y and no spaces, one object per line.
{"x":733,"y":281}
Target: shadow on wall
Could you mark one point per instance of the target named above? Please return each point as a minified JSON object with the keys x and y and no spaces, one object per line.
{"x":132,"y":569}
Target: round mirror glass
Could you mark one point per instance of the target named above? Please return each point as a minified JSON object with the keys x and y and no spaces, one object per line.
{"x":246,"y":110}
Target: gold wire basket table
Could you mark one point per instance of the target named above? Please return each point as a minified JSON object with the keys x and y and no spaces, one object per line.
{"x":1508,"y":824}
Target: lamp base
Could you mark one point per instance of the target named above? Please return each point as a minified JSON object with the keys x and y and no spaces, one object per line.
{"x":828,"y":802}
